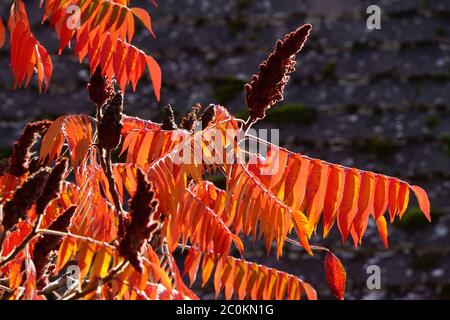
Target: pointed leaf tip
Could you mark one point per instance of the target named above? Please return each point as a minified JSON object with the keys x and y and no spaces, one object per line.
{"x":382,"y":230}
{"x":336,"y":275}
{"x":424,"y":202}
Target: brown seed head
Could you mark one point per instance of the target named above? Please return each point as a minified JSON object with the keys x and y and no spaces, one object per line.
{"x":47,"y":244}
{"x":208,"y":115}
{"x":110,"y":125}
{"x":19,"y":161}
{"x":24,"y":197}
{"x":143,"y":222}
{"x":100,"y":88}
{"x":189,"y":120}
{"x":169,"y":119}
{"x":53,"y":185}
{"x":266,"y":88}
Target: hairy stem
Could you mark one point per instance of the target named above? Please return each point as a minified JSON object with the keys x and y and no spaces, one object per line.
{"x":4,"y":288}
{"x":247,"y":125}
{"x":23,"y":244}
{"x":92,"y":286}
{"x":318,"y":248}
{"x":105,"y":160}
{"x":75,"y":236}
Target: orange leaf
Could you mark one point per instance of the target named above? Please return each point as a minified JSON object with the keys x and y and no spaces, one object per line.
{"x":394,"y":187}
{"x":101,"y":263}
{"x":191,"y":263}
{"x":381,"y":196}
{"x":424,"y":202}
{"x":365,"y":204}
{"x":333,"y":197}
{"x":155,"y":75}
{"x":315,"y":191}
{"x":85,"y":256}
{"x":2,"y":33}
{"x":66,"y":251}
{"x":302,"y":228}
{"x":403,"y":198}
{"x":207,"y":267}
{"x":382,"y":229}
{"x":145,"y":18}
{"x":336,"y":275}
{"x":349,"y":204}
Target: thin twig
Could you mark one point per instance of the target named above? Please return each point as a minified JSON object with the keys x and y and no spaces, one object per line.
{"x":105,"y":161}
{"x":92,"y":286}
{"x":23,"y":244}
{"x":247,"y":125}
{"x":75,"y":236}
{"x":3,"y":288}
{"x":318,"y":248}
{"x":53,"y":286}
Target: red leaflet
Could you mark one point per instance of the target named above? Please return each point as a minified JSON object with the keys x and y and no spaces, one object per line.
{"x":365,"y":203}
{"x":2,"y":33}
{"x":101,"y":29}
{"x":336,"y":275}
{"x":333,"y":197}
{"x":27,"y":55}
{"x":382,"y":230}
{"x":315,"y":192}
{"x":145,"y":18}
{"x":191,"y":264}
{"x":394,"y":188}
{"x":349,"y":204}
{"x":381,"y":195}
{"x":422,"y":198}
{"x":403,"y":198}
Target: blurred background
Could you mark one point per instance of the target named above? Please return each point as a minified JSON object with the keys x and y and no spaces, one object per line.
{"x":374,"y":99}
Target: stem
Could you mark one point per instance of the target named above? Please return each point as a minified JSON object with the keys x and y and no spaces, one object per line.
{"x":247,"y":125}
{"x":4,"y":288}
{"x":53,"y":286}
{"x":2,"y":238}
{"x":92,"y":286}
{"x":318,"y":248}
{"x":105,"y":160}
{"x":78,"y":237}
{"x":24,"y":243}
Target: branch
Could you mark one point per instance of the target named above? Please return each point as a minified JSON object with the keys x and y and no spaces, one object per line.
{"x":318,"y":248}
{"x":4,"y":288}
{"x":55,"y":285}
{"x":247,"y":125}
{"x":22,"y":245}
{"x":37,"y":231}
{"x":75,"y":236}
{"x":92,"y":286}
{"x":105,"y":160}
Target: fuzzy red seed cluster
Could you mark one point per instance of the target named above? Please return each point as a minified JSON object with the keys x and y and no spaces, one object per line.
{"x":19,"y":162}
{"x":110,"y":125}
{"x":47,"y":244}
{"x":142,"y":224}
{"x":100,"y":88}
{"x":266,"y":88}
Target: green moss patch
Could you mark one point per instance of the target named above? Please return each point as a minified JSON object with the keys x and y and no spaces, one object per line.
{"x":378,"y":147}
{"x":414,"y":220}
{"x":292,"y":113}
{"x":227,"y":88}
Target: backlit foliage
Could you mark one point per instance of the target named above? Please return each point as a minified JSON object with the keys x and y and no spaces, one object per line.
{"x":100,"y":30}
{"x":122,"y":223}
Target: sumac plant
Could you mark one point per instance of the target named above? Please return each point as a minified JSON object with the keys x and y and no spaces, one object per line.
{"x":99,"y":207}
